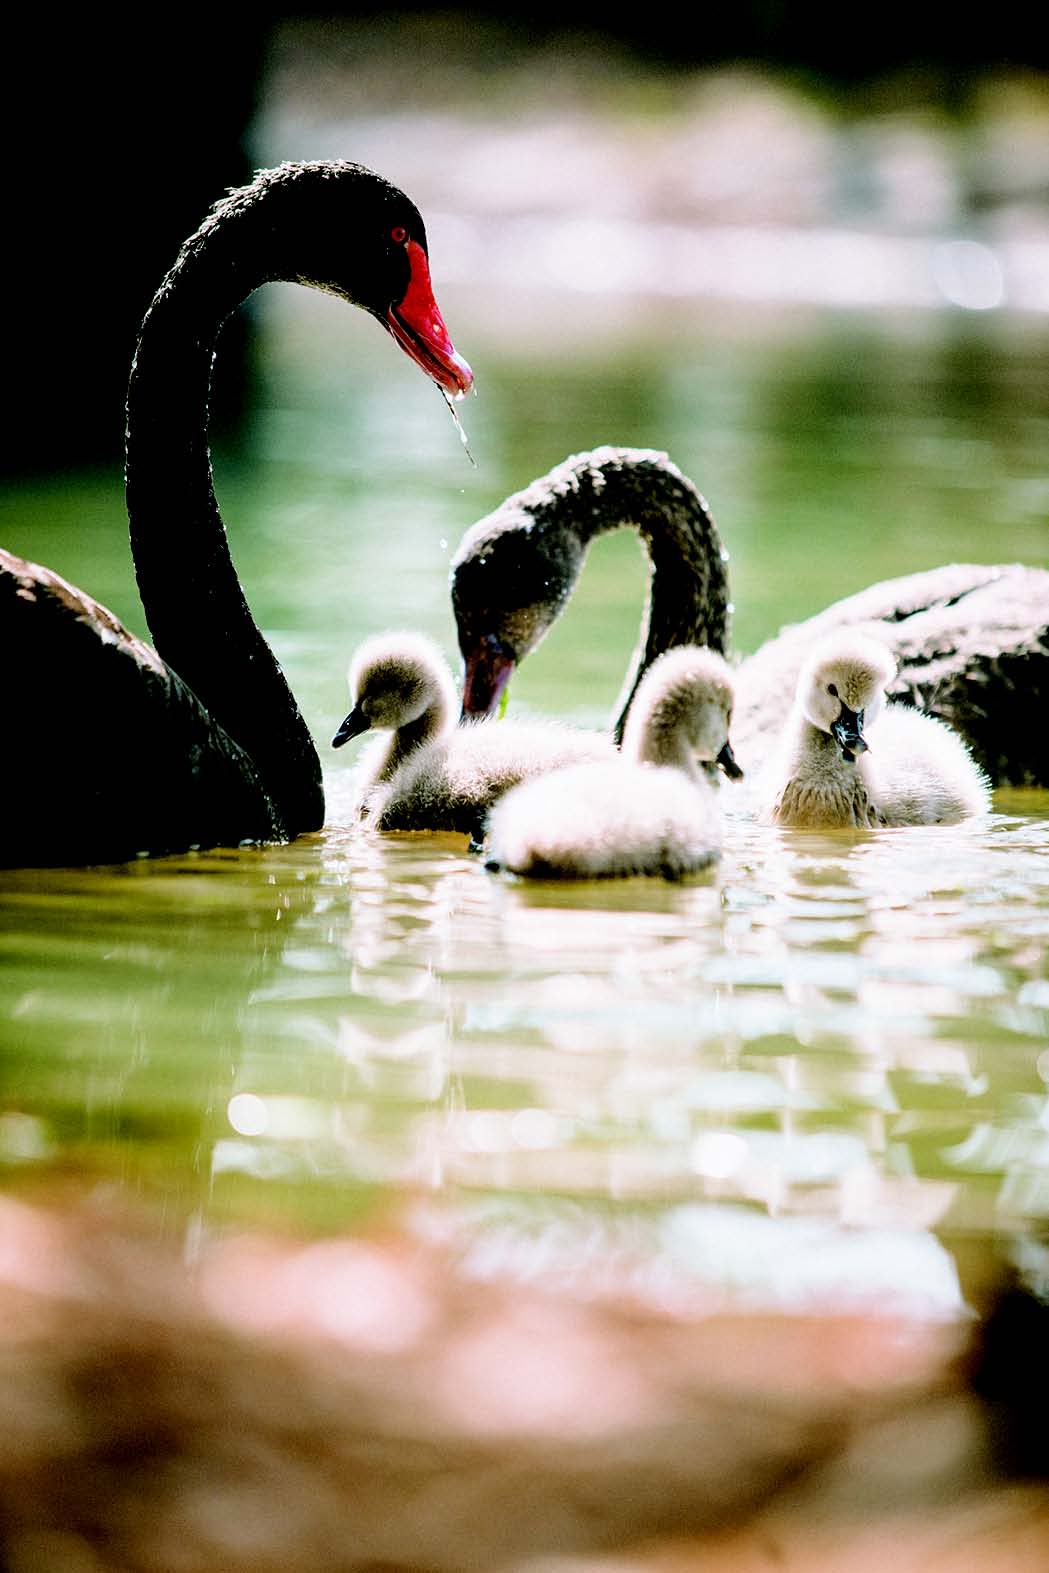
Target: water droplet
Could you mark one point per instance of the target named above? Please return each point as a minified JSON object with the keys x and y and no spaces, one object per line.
{"x":459,"y":427}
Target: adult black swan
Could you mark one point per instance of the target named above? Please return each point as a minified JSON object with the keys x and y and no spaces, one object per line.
{"x":971,"y":641}
{"x":116,"y":749}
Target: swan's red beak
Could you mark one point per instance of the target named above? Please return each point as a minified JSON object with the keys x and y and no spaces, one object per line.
{"x":419,"y":329}
{"x":486,"y":671}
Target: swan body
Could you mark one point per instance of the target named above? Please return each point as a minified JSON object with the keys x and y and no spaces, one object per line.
{"x":970,"y":641}
{"x":432,"y":774}
{"x":652,"y":811}
{"x":151,"y":769}
{"x":198,"y":741}
{"x":847,"y":759}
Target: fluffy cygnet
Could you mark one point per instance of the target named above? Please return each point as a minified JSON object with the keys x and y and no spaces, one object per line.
{"x":432,"y":774}
{"x":653,"y":810}
{"x":848,"y":759}
{"x":400,"y":683}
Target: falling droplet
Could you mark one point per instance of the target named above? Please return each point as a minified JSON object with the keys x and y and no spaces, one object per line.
{"x":459,"y":427}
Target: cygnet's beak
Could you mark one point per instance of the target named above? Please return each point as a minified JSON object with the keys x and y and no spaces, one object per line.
{"x":727,"y":760}
{"x":355,"y":723}
{"x":847,"y":732}
{"x":487,"y":669}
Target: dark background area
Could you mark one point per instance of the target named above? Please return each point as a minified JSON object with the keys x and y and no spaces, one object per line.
{"x":119,"y":136}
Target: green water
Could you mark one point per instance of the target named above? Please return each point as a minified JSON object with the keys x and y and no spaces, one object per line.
{"x":804,"y":1075}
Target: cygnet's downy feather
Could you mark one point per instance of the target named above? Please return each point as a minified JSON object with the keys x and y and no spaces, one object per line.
{"x":847,"y":759}
{"x":653,"y":810}
{"x":402,"y":687}
{"x":432,"y":774}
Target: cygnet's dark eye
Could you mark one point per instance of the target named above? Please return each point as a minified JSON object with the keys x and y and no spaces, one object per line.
{"x":398,"y":234}
{"x":832,"y":690}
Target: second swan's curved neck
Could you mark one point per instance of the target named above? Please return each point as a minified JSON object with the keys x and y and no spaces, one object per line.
{"x":196,"y":610}
{"x":687,"y":599}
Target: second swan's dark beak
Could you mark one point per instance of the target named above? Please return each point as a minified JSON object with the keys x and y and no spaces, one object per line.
{"x":486,"y":671}
{"x":355,"y":723}
{"x":847,"y":732}
{"x":727,"y":760}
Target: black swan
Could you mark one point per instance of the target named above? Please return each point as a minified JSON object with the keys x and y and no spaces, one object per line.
{"x":653,"y":809}
{"x":432,"y":774}
{"x":971,"y":642}
{"x":117,"y":750}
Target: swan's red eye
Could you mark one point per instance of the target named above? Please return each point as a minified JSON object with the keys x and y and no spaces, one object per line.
{"x":399,"y":234}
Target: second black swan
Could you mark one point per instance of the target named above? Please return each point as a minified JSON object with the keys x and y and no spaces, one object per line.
{"x":970,"y":641}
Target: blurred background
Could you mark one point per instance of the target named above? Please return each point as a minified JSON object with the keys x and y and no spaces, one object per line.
{"x":898,"y":165}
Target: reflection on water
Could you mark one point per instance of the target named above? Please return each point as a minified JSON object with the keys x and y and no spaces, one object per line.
{"x":782,"y":1079}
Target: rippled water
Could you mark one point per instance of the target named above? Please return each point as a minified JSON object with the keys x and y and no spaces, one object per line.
{"x":849,"y":1030}
{"x":819,"y":1071}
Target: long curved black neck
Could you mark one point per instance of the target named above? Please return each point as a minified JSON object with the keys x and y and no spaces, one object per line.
{"x":194,"y":604}
{"x":687,"y":598}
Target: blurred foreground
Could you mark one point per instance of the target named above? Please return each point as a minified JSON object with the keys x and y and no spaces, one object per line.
{"x":376,"y":1403}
